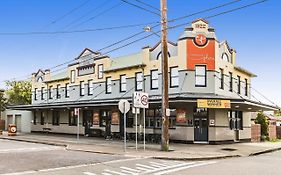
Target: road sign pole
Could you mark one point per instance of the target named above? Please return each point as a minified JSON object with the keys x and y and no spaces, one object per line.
{"x":78,"y":116}
{"x":125,"y":132}
{"x":136,"y":123}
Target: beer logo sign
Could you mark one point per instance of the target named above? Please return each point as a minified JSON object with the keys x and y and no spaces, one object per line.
{"x":200,"y":40}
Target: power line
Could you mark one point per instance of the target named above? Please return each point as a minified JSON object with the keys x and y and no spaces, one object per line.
{"x":169,"y":28}
{"x":148,"y":5}
{"x":100,"y":14}
{"x":77,"y":31}
{"x":139,"y":7}
{"x":204,"y":11}
{"x":69,"y":13}
{"x":265,"y":97}
{"x":87,"y":13}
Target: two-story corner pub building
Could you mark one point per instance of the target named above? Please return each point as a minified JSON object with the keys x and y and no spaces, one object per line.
{"x":209,"y":94}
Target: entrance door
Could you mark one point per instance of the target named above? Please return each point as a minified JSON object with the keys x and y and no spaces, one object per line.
{"x":106,"y":122}
{"x":18,"y":122}
{"x":87,"y":121}
{"x":200,"y":125}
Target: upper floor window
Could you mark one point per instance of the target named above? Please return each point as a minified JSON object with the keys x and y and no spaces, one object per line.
{"x":159,"y":56}
{"x":42,"y":93}
{"x":58,"y":91}
{"x":100,"y":71}
{"x":40,"y":79}
{"x":230,"y":81}
{"x":174,"y":77}
{"x":90,"y":87}
{"x":82,"y":88}
{"x":246,"y":87}
{"x":108,"y":86}
{"x":200,"y":76}
{"x":66,"y":90}
{"x":123,"y":83}
{"x":225,"y":57}
{"x":221,"y":79}
{"x":72,"y":76}
{"x":238,"y":84}
{"x":50,"y":92}
{"x":154,"y":79}
{"x":139,"y":81}
{"x":35,"y":94}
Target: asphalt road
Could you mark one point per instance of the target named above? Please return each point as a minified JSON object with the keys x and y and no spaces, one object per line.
{"x":28,"y":158}
{"x":21,"y":156}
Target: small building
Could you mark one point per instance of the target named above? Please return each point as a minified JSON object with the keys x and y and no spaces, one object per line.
{"x":22,"y":119}
{"x":209,"y":94}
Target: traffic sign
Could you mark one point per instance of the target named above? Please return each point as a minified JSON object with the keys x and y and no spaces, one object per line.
{"x":140,"y":100}
{"x":124,"y":106}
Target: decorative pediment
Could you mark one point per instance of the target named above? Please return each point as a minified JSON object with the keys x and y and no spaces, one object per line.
{"x":200,"y":25}
{"x":155,"y":52}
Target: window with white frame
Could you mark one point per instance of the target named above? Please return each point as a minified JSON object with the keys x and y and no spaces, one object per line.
{"x":35,"y":94}
{"x":82,"y":88}
{"x":58,"y":92}
{"x":72,"y":76}
{"x":66,"y":90}
{"x":221,"y":79}
{"x":200,"y":76}
{"x":174,"y":77}
{"x":50,"y":92}
{"x":90,"y":87}
{"x":139,"y":81}
{"x":108,"y":85}
{"x":42,"y":93}
{"x":100,"y":71}
{"x":238,"y":84}
{"x":154,"y":79}
{"x":123,"y":83}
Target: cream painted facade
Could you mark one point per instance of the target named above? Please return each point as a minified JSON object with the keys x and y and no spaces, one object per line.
{"x":195,"y":64}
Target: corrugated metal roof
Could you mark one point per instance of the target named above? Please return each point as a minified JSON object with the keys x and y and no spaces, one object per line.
{"x":125,"y":62}
{"x":59,"y":76}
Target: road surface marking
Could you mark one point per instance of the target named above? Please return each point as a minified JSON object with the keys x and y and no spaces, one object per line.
{"x":129,"y":169}
{"x":114,"y":172}
{"x":88,"y":173}
{"x":145,"y":166}
{"x":182,"y":168}
{"x":129,"y":172}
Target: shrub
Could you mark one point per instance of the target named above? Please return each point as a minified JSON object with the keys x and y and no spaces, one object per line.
{"x":262,"y":120}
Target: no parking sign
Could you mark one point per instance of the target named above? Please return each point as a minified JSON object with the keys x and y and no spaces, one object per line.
{"x":140,"y":100}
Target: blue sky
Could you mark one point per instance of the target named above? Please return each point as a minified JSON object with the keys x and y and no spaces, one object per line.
{"x":254,"y":32}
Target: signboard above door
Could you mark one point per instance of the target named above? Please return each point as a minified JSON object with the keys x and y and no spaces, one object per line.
{"x":213,"y":103}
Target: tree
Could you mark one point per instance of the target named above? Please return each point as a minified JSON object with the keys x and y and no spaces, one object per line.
{"x":19,"y":92}
{"x":262,"y":120}
{"x":3,"y":102}
{"x":278,"y":113}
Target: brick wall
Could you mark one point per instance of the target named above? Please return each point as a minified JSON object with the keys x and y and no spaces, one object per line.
{"x":278,"y":132}
{"x":272,"y":132}
{"x":256,"y":132}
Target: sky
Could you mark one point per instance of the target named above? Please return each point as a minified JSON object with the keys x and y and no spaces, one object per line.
{"x":253,"y":32}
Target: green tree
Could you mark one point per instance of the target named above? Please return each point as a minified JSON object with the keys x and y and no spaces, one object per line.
{"x":3,"y":102}
{"x":262,"y":120}
{"x":19,"y":92}
{"x":278,"y":113}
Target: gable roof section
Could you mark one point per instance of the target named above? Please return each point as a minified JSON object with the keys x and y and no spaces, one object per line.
{"x":169,"y":42}
{"x":245,"y":71}
{"x":86,"y":49}
{"x":125,"y":62}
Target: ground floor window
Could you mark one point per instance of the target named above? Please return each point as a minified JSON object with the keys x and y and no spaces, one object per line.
{"x":56,"y":118}
{"x":34,"y":118}
{"x":154,"y":118}
{"x":72,"y":119}
{"x":235,"y":120}
{"x":43,"y":115}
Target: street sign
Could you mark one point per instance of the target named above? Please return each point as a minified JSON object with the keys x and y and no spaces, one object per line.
{"x":76,"y":111}
{"x":124,"y":106}
{"x":140,"y":100}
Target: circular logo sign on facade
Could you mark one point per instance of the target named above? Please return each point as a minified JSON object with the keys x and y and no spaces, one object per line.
{"x":200,"y":40}
{"x":13,"y":129}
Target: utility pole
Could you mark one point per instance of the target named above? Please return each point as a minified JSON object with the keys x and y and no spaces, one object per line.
{"x":164,"y":65}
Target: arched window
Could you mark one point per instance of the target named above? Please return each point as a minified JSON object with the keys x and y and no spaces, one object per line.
{"x":159,"y":56}
{"x":40,"y":79}
{"x":225,"y":57}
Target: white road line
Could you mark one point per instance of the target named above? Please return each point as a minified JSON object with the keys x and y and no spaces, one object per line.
{"x":145,"y":166}
{"x":130,"y":169}
{"x":88,"y":173}
{"x":142,"y":169}
{"x":158,"y":164}
{"x":182,"y":168}
{"x":114,"y":172}
{"x":129,"y":172}
{"x":106,"y":174}
{"x":168,"y":167}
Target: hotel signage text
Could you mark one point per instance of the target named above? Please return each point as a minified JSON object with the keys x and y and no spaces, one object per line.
{"x":213,"y":103}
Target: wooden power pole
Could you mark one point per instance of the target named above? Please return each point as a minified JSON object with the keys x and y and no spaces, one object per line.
{"x":165,"y":97}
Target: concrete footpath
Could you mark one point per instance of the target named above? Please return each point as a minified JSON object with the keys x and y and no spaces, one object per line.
{"x":178,"y":151}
